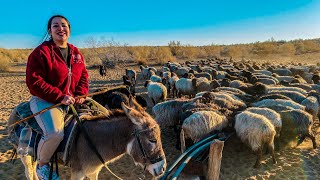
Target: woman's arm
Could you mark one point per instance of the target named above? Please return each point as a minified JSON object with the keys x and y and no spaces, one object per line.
{"x":36,"y":73}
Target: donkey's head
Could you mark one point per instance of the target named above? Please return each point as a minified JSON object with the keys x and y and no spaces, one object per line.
{"x":145,"y":147}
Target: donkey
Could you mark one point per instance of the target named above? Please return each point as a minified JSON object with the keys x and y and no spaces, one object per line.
{"x":130,"y":130}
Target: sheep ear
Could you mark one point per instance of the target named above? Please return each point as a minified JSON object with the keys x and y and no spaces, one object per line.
{"x":133,"y":115}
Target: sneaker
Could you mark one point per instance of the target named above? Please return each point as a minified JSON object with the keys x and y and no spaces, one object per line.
{"x":43,"y":173}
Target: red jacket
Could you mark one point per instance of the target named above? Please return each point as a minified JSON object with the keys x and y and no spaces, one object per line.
{"x":47,"y":73}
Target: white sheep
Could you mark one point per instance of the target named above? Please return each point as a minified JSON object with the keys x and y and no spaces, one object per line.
{"x":281,"y":72}
{"x":156,"y":91}
{"x":265,"y":72}
{"x":237,"y":84}
{"x":275,"y":102}
{"x":132,"y":75}
{"x":186,"y":86}
{"x":306,"y":87}
{"x":312,"y":106}
{"x":155,"y":78}
{"x":293,"y":95}
{"x":172,"y":83}
{"x":255,"y":130}
{"x":181,"y":71}
{"x":283,"y":78}
{"x":144,"y":71}
{"x":201,"y":123}
{"x":235,"y":90}
{"x":271,"y":115}
{"x":207,"y":85}
{"x":168,"y":113}
{"x":267,"y":81}
{"x":260,"y":88}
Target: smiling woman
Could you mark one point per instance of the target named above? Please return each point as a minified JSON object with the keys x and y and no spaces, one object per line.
{"x":56,"y":73}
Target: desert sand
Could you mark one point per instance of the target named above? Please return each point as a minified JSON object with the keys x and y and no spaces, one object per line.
{"x":302,"y":162}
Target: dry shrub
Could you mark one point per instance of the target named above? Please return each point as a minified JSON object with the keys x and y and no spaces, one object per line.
{"x":140,"y":54}
{"x":202,"y":53}
{"x":175,"y":47}
{"x":264,"y":48}
{"x":237,"y":51}
{"x":306,"y":46}
{"x":212,"y":51}
{"x":287,"y":49}
{"x":162,"y":55}
{"x":91,"y":56}
{"x":187,"y":52}
{"x":4,"y":63}
{"x":16,"y":55}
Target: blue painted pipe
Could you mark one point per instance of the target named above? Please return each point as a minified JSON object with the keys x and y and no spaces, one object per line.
{"x":195,"y":146}
{"x":188,"y":158}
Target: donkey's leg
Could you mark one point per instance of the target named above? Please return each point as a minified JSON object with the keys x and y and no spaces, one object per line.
{"x":77,"y":175}
{"x":28,"y":167}
{"x":35,"y":176}
{"x":93,"y":176}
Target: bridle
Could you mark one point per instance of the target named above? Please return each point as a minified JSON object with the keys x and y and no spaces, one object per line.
{"x":136,"y":134}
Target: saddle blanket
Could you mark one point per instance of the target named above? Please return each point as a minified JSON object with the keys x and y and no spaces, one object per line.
{"x":29,"y":134}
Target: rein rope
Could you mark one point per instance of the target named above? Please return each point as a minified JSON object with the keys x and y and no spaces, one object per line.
{"x":91,"y":145}
{"x":54,"y":106}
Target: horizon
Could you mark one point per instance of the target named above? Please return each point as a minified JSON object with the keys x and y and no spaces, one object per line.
{"x":145,"y":24}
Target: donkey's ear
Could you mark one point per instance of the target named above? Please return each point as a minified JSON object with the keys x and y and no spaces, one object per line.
{"x":133,"y":103}
{"x":125,"y":108}
{"x":132,"y":114}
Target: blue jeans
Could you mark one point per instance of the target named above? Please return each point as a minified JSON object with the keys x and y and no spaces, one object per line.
{"x":52,"y":124}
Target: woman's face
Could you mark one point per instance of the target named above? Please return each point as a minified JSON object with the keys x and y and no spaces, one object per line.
{"x":59,"y":30}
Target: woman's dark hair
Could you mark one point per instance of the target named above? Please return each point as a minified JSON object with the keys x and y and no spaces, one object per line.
{"x":47,"y":36}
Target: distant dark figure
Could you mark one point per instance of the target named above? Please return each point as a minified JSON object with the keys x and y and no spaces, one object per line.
{"x":102,"y":70}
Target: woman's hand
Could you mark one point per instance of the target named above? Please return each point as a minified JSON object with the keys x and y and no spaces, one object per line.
{"x":80,"y":100}
{"x":67,"y":100}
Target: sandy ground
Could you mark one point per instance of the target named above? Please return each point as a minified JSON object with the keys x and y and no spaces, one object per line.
{"x":237,"y":161}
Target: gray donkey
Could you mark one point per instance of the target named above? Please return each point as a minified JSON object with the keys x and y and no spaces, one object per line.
{"x":130,"y":130}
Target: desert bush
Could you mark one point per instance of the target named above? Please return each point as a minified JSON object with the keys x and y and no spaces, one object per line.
{"x":212,"y":51}
{"x":264,"y":48}
{"x":187,"y":52}
{"x":175,"y":47}
{"x":4,"y":63}
{"x":110,"y":52}
{"x":91,"y":56}
{"x":238,"y":51}
{"x":140,"y":54}
{"x":16,"y":55}
{"x":202,"y":53}
{"x":286,"y":49}
{"x":306,"y":46}
{"x":162,"y":55}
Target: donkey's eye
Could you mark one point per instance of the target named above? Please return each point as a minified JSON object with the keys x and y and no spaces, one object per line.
{"x":153,"y":140}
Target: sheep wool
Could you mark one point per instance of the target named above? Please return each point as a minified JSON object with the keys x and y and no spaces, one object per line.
{"x":254,"y":129}
{"x":271,"y":115}
{"x":275,"y":102}
{"x":168,"y":113}
{"x":201,"y":123}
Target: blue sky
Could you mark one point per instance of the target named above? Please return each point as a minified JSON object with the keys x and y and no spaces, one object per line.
{"x":142,"y":22}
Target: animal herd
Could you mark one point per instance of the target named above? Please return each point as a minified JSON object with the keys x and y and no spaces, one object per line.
{"x":273,"y":106}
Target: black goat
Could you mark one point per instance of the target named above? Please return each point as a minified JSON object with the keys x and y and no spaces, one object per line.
{"x":102,"y":70}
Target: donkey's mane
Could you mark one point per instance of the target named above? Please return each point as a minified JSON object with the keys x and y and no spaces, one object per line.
{"x":110,"y":117}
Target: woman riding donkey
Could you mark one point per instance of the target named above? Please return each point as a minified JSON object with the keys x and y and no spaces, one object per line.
{"x":56,"y":73}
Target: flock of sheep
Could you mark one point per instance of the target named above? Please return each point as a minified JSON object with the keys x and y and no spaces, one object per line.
{"x":273,"y":106}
